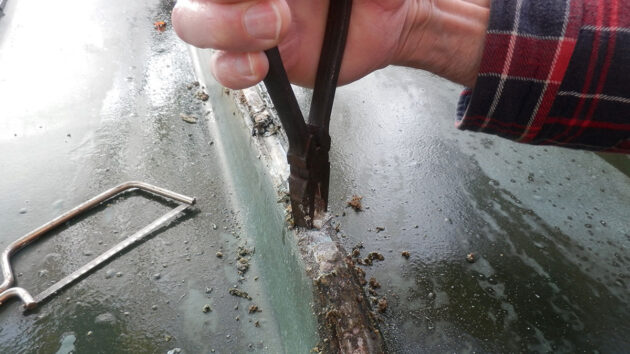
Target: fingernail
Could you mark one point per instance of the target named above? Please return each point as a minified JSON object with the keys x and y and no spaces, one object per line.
{"x":262,"y":21}
{"x":243,"y":66}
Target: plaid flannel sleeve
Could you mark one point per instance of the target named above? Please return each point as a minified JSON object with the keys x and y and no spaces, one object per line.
{"x":554,"y":73}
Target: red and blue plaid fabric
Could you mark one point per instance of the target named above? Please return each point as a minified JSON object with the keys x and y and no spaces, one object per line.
{"x":554,"y":72}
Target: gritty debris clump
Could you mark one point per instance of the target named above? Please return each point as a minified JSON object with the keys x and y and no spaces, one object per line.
{"x":355,"y":203}
{"x":243,"y":256}
{"x":284,"y":198}
{"x":239,"y":293}
{"x":405,"y":254}
{"x":471,"y":258}
{"x":264,"y":125}
{"x":289,"y":217}
{"x":361,"y":275}
{"x":159,"y":25}
{"x":201,"y":95}
{"x":254,"y":308}
{"x":371,"y":257}
{"x":206,"y":308}
{"x":356,"y":251}
{"x":367,"y":261}
{"x":242,"y":251}
{"x":242,"y":265}
{"x":382,"y":305}
{"x":188,"y":118}
{"x":374,"y":284}
{"x":375,"y":256}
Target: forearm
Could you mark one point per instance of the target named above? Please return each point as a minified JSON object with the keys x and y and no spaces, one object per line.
{"x":445,"y":37}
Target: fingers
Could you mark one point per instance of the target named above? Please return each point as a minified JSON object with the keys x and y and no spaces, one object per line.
{"x":481,"y":3}
{"x":234,"y":25}
{"x":239,"y":70}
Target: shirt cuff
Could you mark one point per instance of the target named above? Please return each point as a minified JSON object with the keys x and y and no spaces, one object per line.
{"x":522,"y":92}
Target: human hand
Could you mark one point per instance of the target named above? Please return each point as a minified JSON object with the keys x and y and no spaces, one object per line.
{"x":442,"y":36}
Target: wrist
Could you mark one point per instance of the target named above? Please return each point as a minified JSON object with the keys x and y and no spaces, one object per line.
{"x":445,"y":37}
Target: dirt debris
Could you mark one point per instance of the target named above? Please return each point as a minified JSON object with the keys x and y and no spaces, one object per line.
{"x":284,"y":198}
{"x":243,"y":256}
{"x":201,"y":95}
{"x":242,"y":265}
{"x":254,"y":308}
{"x":371,"y":257}
{"x":355,"y":203}
{"x":239,"y":293}
{"x":188,"y":118}
{"x":159,"y":25}
{"x":361,"y":275}
{"x":375,"y":256}
{"x":374,"y":284}
{"x":382,"y":305}
{"x":471,"y":258}
{"x":356,"y":250}
{"x":243,"y":251}
{"x":406,"y":254}
{"x":264,"y":125}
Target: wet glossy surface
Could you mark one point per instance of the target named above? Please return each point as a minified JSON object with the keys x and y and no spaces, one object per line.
{"x":548,"y":227}
{"x":91,"y":97}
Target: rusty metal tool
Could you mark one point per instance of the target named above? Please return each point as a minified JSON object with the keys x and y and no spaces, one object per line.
{"x":30,"y":302}
{"x":309,"y":143}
